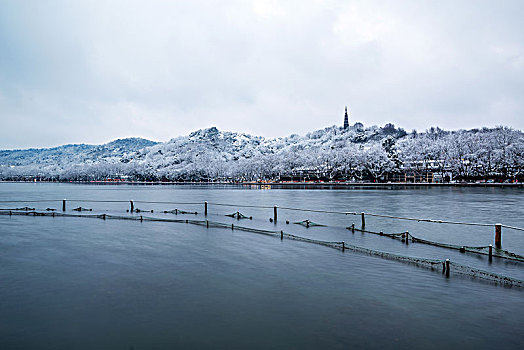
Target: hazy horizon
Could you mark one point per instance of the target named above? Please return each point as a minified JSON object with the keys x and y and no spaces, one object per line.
{"x":93,"y":72}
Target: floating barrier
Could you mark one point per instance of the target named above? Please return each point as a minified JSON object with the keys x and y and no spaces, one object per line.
{"x":178,"y":211}
{"x":24,"y":208}
{"x":308,"y":223}
{"x":82,"y":209}
{"x":238,"y":215}
{"x":140,"y":211}
{"x":431,"y":264}
{"x":483,"y":250}
{"x":498,"y":227}
{"x":275,"y":210}
{"x":489,"y":250}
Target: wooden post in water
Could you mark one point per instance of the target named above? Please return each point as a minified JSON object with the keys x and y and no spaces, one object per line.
{"x":232,"y":227}
{"x":353,"y":228}
{"x":498,"y":235}
{"x":64,"y":205}
{"x":363,"y":219}
{"x":205,"y":208}
{"x":490,"y":252}
{"x":275,"y":214}
{"x":141,"y":218}
{"x":447,"y":267}
{"x":343,"y":246}
{"x":281,"y":235}
{"x":207,"y":223}
{"x":407,"y":236}
{"x":132,"y":206}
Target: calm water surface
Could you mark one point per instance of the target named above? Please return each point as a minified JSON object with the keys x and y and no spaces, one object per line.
{"x":75,"y":283}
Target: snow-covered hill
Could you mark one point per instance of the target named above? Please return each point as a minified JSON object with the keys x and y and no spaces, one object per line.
{"x":210,"y":154}
{"x":52,"y":162}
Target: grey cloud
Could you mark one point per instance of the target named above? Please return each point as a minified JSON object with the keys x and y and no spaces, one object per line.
{"x":93,"y":71}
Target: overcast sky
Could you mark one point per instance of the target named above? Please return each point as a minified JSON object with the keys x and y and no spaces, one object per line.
{"x":94,"y":71}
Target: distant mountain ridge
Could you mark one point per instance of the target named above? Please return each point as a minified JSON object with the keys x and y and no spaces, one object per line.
{"x":86,"y":152}
{"x":334,"y":152}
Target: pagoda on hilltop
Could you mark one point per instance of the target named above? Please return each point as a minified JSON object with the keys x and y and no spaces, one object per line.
{"x":346,"y":119}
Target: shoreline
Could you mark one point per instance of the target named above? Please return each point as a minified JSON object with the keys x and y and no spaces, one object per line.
{"x":289,"y":184}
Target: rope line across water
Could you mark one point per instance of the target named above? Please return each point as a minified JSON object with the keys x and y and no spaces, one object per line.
{"x":483,"y":250}
{"x":271,"y":207}
{"x":512,"y":227}
{"x":431,"y":264}
{"x":478,"y":250}
{"x":429,"y":220}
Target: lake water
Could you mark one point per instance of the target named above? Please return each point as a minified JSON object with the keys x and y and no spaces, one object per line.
{"x":77,"y":283}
